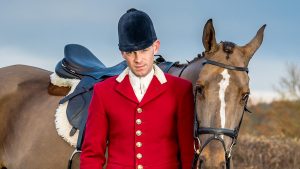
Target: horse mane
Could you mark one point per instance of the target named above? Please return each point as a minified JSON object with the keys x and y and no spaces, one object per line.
{"x":179,"y":65}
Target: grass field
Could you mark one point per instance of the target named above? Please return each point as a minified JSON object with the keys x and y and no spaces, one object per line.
{"x":269,"y":137}
{"x":267,"y":153}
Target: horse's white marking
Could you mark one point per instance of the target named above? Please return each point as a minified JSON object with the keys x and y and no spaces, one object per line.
{"x":223,"y":85}
{"x":62,"y":124}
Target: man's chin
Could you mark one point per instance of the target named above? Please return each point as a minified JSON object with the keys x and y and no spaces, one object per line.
{"x":140,"y":73}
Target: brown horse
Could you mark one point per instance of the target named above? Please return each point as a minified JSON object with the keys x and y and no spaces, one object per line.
{"x":27,"y":132}
{"x":221,"y":94}
{"x":28,"y":101}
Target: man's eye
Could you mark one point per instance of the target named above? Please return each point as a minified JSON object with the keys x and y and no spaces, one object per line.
{"x":128,"y":53}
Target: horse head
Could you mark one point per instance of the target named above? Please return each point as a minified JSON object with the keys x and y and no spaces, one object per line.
{"x":221,"y":95}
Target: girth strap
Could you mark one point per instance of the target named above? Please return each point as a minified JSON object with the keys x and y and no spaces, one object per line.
{"x":76,"y":93}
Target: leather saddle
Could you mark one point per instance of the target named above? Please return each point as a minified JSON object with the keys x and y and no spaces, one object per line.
{"x":80,"y":63}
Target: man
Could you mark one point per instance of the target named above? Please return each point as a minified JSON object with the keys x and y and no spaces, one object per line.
{"x":143,"y":116}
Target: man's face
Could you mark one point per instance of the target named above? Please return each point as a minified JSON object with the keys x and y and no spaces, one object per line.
{"x":141,"y":62}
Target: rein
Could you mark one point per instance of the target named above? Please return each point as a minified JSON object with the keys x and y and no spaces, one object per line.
{"x":216,"y":132}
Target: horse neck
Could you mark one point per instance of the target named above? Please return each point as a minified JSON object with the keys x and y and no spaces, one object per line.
{"x":190,"y":71}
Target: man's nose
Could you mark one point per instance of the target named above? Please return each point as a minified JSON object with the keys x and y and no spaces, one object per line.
{"x":137,"y":57}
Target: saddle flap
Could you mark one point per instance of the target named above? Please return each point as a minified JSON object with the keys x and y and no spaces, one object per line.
{"x":79,"y":101}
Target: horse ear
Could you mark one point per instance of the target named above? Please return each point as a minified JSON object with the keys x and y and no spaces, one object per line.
{"x":209,"y":36}
{"x":254,"y":44}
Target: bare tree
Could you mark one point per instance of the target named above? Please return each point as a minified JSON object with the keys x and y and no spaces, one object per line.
{"x":289,"y":85}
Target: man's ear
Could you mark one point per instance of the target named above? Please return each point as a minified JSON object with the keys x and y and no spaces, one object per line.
{"x":122,"y":53}
{"x":156,"y":46}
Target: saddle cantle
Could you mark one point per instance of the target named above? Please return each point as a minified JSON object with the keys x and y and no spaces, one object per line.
{"x":78,"y":62}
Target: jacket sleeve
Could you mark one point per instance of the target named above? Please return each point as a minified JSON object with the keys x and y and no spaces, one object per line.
{"x":185,"y":127}
{"x":95,"y":139}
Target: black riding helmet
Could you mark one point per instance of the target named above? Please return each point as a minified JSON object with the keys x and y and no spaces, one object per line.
{"x":135,"y":31}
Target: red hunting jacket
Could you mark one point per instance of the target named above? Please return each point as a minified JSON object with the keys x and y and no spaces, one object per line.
{"x":156,"y":133}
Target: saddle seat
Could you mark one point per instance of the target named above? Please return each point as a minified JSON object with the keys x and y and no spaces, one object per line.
{"x":79,"y":62}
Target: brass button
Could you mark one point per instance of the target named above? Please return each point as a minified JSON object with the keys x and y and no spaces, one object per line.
{"x":140,"y":167}
{"x":139,"y":156}
{"x":138,"y":132}
{"x":139,"y":110}
{"x":138,"y":121}
{"x":138,"y":144}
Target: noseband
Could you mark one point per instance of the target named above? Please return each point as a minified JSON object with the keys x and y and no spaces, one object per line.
{"x":217,"y":132}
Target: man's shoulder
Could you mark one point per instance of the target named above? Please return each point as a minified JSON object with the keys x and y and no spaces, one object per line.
{"x":177,"y":81}
{"x":106,"y":84}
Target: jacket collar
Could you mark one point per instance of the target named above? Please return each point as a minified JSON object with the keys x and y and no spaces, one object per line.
{"x":157,"y":72}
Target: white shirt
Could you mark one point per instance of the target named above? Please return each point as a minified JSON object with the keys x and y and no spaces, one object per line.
{"x":140,"y":84}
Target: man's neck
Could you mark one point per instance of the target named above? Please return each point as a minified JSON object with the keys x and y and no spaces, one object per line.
{"x":140,"y":84}
{"x":150,"y":74}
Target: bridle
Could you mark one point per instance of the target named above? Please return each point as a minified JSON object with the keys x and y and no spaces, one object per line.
{"x":217,"y":132}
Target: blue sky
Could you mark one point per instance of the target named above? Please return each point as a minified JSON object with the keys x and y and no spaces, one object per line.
{"x":35,"y":32}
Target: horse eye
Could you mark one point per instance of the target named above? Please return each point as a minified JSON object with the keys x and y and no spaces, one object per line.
{"x":200,"y":90}
{"x":245,"y":97}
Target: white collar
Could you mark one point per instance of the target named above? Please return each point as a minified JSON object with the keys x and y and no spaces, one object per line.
{"x":146,"y":79}
{"x":157,"y":72}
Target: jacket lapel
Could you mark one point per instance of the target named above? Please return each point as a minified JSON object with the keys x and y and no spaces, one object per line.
{"x":154,"y":90}
{"x":125,"y":89}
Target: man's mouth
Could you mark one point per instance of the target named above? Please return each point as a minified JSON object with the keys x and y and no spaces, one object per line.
{"x":140,"y":67}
